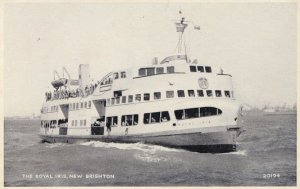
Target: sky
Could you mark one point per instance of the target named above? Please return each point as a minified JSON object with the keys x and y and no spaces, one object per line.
{"x":255,"y":42}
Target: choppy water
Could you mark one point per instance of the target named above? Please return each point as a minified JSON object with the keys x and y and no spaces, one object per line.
{"x":267,"y":147}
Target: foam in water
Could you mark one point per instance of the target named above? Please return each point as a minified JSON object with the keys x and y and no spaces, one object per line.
{"x":55,"y":145}
{"x":241,"y":153}
{"x":131,"y":146}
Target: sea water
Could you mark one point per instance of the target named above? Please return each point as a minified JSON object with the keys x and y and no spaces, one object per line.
{"x":266,"y":156}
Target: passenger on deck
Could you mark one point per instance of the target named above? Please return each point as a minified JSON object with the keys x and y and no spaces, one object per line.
{"x":164,"y":119}
{"x":153,"y":120}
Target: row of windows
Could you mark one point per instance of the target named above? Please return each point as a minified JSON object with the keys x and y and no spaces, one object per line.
{"x":207,"y":69}
{"x":50,"y":109}
{"x":197,"y":112}
{"x":80,"y":105}
{"x":159,"y":117}
{"x":119,"y":75}
{"x":80,"y":123}
{"x":155,"y":71}
{"x":169,"y":94}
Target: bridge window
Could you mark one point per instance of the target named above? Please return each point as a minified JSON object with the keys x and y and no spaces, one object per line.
{"x":208,"y":69}
{"x":123,"y":99}
{"x":209,"y":93}
{"x":180,"y":93}
{"x":142,"y":72}
{"x":193,"y":68}
{"x":170,"y":69}
{"x":81,"y":105}
{"x":218,"y":93}
{"x":130,"y":98}
{"x":191,"y":93}
{"x":146,"y":96}
{"x":200,"y":93}
{"x":159,"y":70}
{"x":128,"y":120}
{"x":116,"y":75}
{"x":150,"y":71}
{"x":123,"y":74}
{"x":85,"y":104}
{"x":200,"y":68}
{"x":170,"y":94}
{"x":227,"y":94}
{"x":157,"y":95}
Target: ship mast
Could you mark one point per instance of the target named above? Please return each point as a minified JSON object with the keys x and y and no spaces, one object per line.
{"x":181,"y":25}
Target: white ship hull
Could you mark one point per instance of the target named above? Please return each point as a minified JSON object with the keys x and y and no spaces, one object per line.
{"x":192,"y":140}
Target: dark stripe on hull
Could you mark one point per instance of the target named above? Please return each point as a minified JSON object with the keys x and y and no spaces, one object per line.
{"x":215,"y":142}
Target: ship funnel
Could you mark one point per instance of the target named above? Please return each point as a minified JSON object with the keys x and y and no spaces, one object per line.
{"x":84,"y":76}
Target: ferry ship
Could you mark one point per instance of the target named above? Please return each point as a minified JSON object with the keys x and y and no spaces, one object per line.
{"x":176,"y":102}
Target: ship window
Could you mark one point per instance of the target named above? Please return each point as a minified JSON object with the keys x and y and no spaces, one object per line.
{"x":191,"y":93}
{"x":207,"y":69}
{"x":170,"y":69}
{"x":117,"y":93}
{"x":128,"y":120}
{"x":200,"y":68}
{"x":90,"y":104}
{"x":118,"y":100}
{"x":112,"y":101}
{"x":155,"y":117}
{"x":85,"y":104}
{"x":108,"y":101}
{"x":112,"y":121}
{"x":200,"y":93}
{"x":179,"y":114}
{"x":180,"y":93}
{"x":84,"y":122}
{"x":130,"y":98}
{"x":150,"y":71}
{"x":123,"y":99}
{"x":227,"y":94}
{"x":209,"y":93}
{"x":218,"y":93}
{"x":159,"y":70}
{"x":138,"y":97}
{"x":77,"y":106}
{"x":146,"y":118}
{"x":146,"y":96}
{"x":116,"y":75}
{"x":191,"y":113}
{"x":123,"y":74}
{"x":157,"y":95}
{"x":193,"y":68}
{"x":170,"y":94}
{"x":208,"y":111}
{"x":142,"y":72}
{"x":81,"y":123}
{"x":165,"y":116}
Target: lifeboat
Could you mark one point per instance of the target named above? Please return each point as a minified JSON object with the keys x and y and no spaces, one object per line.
{"x":59,"y":82}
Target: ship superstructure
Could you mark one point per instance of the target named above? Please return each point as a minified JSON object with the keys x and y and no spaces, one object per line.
{"x":176,"y":102}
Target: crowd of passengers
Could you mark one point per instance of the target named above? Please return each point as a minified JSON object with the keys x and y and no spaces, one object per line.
{"x":73,"y":93}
